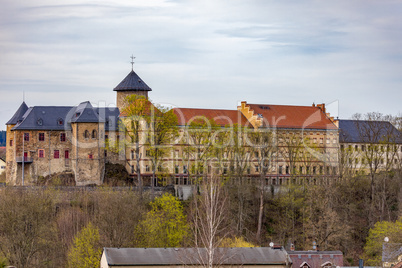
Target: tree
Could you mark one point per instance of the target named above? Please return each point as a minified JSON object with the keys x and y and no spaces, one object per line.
{"x":380,"y":139}
{"x":133,"y":125}
{"x":209,"y":214}
{"x":236,"y":242}
{"x":161,"y":132}
{"x":164,"y":225}
{"x":86,"y":251}
{"x":198,"y":149}
{"x":375,"y":240}
{"x":27,"y":230}
{"x":263,"y":145}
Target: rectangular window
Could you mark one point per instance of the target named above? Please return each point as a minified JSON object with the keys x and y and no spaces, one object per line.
{"x":41,"y":136}
{"x":91,"y":156}
{"x":56,"y":154}
{"x":63,"y":136}
{"x":66,"y":154}
{"x":314,"y":140}
{"x":26,"y":136}
{"x":321,"y":140}
{"x":176,"y":170}
{"x":132,"y":154}
{"x":132,"y":169}
{"x":147,"y":168}
{"x":185,"y":169}
{"x":280,"y":169}
{"x":11,"y":142}
{"x":41,"y":153}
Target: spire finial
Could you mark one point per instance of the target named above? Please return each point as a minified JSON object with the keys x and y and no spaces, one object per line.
{"x":132,"y":62}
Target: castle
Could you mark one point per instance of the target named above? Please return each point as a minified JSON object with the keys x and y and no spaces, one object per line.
{"x":46,"y":140}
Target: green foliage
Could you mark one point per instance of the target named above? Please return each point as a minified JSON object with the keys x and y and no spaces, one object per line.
{"x":86,"y":251}
{"x":375,"y":240}
{"x":165,"y":225}
{"x":236,"y":242}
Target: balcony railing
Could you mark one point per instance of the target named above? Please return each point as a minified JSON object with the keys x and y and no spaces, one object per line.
{"x":25,"y":159}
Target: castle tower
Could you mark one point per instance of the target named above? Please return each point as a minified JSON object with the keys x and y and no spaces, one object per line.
{"x":88,"y":132}
{"x":130,"y":85}
{"x":11,"y":164}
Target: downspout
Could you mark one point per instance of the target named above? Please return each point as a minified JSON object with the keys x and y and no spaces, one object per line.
{"x":23,"y":156}
{"x":76,"y":154}
{"x":50,"y":152}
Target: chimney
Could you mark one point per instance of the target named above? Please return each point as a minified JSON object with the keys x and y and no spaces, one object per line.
{"x":322,"y":107}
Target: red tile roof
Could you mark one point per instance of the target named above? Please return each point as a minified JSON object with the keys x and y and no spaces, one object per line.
{"x":286,"y":116}
{"x":221,"y":117}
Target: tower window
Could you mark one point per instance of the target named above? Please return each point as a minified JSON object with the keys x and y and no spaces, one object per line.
{"x":94,"y":134}
{"x":26,"y":136}
{"x":62,"y":136}
{"x":86,"y":134}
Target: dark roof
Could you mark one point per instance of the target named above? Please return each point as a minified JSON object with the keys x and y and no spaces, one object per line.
{"x":45,"y":118}
{"x":180,"y":256}
{"x":132,"y":82}
{"x":60,"y":117}
{"x":18,"y":114}
{"x":363,"y":131}
{"x":85,"y":113}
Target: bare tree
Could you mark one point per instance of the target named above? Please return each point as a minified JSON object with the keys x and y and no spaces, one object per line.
{"x":209,"y":216}
{"x":263,"y":143}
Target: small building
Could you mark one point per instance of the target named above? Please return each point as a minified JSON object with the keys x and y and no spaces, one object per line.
{"x":316,"y":259}
{"x":180,"y":257}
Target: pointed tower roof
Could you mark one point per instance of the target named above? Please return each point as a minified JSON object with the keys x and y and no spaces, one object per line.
{"x":132,"y":82}
{"x":18,"y":114}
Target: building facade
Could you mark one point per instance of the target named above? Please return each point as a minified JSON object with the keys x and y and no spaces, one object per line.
{"x":296,"y":144}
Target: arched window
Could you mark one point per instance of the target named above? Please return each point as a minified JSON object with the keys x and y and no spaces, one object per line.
{"x":94,"y":134}
{"x":86,"y":134}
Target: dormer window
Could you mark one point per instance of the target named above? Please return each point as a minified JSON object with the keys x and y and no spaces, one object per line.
{"x":60,"y":121}
{"x":77,"y":114}
{"x":39,"y":122}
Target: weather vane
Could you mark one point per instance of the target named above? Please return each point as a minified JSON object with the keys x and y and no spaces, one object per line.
{"x":132,"y":62}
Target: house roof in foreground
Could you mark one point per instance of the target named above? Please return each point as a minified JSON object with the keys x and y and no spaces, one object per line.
{"x":190,"y":256}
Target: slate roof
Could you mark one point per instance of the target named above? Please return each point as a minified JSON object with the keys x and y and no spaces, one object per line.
{"x":60,"y":117}
{"x":18,"y":114}
{"x":85,"y":113}
{"x":180,"y":256}
{"x":362,"y":131}
{"x":132,"y":82}
{"x":221,"y":117}
{"x":288,"y":116}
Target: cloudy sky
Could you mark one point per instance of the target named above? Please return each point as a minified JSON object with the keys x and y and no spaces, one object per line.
{"x":204,"y":53}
